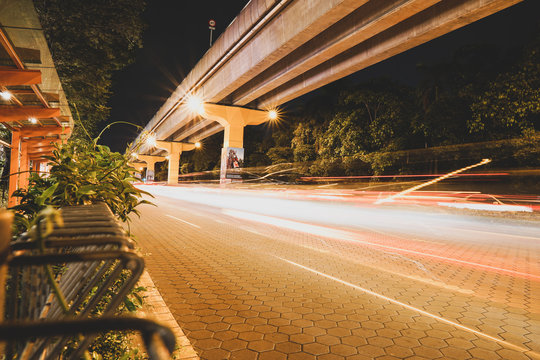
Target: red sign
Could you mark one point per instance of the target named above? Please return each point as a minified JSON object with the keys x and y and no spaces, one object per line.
{"x":212,"y":23}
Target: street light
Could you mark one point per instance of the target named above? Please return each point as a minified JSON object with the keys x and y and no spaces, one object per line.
{"x":273,"y":114}
{"x":195,"y":104}
{"x":5,"y":95}
{"x":197,"y":144}
{"x":32,"y":120}
{"x":151,"y":141}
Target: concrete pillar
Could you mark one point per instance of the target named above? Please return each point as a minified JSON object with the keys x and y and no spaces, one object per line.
{"x":174,"y":168}
{"x":14,"y":167}
{"x":174,"y":149}
{"x":36,"y":164}
{"x":24,"y":166}
{"x":233,"y":119}
{"x":150,"y":161}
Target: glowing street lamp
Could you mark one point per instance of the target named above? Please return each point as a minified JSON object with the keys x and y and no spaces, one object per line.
{"x":195,"y":104}
{"x":32,"y":120}
{"x":151,"y":141}
{"x":273,"y":114}
{"x":197,"y":144}
{"x":5,"y":95}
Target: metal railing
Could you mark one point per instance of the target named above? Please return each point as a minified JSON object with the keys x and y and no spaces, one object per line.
{"x":63,"y":291}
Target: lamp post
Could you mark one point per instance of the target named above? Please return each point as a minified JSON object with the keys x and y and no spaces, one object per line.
{"x":212,"y":27}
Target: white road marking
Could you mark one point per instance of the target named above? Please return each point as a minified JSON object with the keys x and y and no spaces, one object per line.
{"x":184,"y":221}
{"x":417,"y":310}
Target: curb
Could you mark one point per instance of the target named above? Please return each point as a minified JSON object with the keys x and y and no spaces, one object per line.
{"x":155,"y":307}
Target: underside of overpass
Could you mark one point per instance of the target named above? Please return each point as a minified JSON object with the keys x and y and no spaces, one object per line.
{"x":276,"y":51}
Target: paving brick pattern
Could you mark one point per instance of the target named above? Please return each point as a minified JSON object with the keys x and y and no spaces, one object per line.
{"x":230,"y":289}
{"x":154,"y":307}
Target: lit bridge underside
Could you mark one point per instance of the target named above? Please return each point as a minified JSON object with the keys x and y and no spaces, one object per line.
{"x":276,"y":51}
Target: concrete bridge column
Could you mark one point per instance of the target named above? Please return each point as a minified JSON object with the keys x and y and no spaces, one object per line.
{"x":24,"y":166}
{"x":233,"y":119}
{"x":150,"y":161}
{"x":175,"y":150}
{"x":14,"y":167}
{"x":138,"y":167}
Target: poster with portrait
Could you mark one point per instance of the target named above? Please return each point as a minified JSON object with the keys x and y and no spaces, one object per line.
{"x":232,"y":161}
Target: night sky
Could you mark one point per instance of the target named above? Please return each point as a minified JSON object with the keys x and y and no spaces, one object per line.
{"x":177,"y":36}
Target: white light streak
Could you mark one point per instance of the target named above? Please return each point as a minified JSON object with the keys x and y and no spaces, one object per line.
{"x":487,"y":207}
{"x":417,"y":310}
{"x":348,"y":236}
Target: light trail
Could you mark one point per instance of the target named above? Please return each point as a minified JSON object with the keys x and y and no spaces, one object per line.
{"x":419,"y":311}
{"x":347,"y":236}
{"x":184,"y":221}
{"x":431,"y":182}
{"x":487,"y":207}
{"x":325,"y":178}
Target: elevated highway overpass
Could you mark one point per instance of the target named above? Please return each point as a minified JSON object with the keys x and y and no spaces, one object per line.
{"x":278,"y":50}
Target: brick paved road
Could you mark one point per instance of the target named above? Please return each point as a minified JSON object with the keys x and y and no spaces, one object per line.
{"x":260,"y":287}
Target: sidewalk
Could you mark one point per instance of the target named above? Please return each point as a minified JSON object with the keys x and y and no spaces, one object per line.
{"x":155,"y":307}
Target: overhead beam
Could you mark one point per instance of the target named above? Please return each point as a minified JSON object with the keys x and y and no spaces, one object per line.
{"x":362,"y":24}
{"x":34,"y":141}
{"x":40,"y":149}
{"x":14,"y":77}
{"x":40,"y":156}
{"x":44,"y":131}
{"x":11,"y":113}
{"x":427,"y":25}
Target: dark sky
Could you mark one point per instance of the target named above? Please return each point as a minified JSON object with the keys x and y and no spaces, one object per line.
{"x":175,"y":39}
{"x":177,"y":36}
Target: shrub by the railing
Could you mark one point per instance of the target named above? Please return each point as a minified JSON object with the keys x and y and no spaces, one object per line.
{"x":83,"y":173}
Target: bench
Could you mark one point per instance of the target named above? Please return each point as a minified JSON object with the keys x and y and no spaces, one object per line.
{"x":94,"y":266}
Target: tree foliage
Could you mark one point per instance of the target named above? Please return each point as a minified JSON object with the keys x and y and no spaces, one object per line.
{"x":511,"y":102}
{"x":370,"y":118}
{"x":89,"y":41}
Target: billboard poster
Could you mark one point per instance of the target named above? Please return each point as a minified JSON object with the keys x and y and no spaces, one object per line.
{"x":232,"y":160}
{"x":149,"y":175}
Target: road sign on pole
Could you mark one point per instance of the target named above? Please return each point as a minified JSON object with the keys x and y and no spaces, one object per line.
{"x":212,"y":27}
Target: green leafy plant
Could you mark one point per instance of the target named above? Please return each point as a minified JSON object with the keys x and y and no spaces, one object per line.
{"x":82,"y":173}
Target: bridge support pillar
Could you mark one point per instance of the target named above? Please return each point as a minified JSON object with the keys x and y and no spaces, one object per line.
{"x":233,"y":119}
{"x":14,"y":176}
{"x":174,"y":149}
{"x":138,"y":169}
{"x":150,"y":161}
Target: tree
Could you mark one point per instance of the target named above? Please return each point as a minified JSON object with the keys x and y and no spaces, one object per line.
{"x":510,"y":105}
{"x":303,"y":142}
{"x":89,"y":41}
{"x":447,"y":91}
{"x":373,"y":117}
